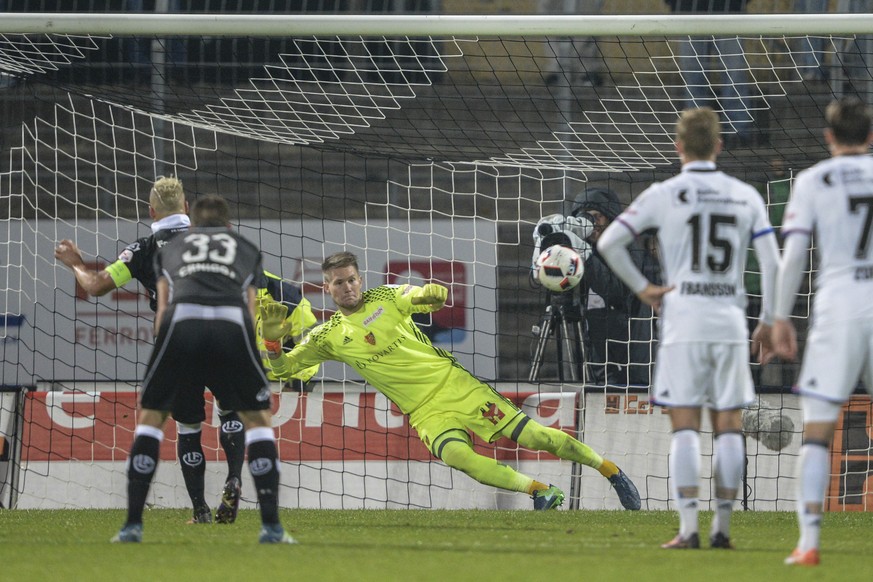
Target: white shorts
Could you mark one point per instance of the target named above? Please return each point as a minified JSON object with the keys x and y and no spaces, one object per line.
{"x":835,"y":358}
{"x":693,"y":375}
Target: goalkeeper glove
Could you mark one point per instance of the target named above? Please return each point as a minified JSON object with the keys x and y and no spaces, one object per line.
{"x":433,"y":295}
{"x":273,"y":316}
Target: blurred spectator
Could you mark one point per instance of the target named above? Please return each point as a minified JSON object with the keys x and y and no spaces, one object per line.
{"x":811,"y":48}
{"x":404,"y":60}
{"x":576,"y":60}
{"x":729,"y":93}
{"x":857,"y":56}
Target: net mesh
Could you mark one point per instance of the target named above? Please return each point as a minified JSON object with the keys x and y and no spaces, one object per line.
{"x":433,"y":159}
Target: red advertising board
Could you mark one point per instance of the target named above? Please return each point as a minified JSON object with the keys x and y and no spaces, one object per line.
{"x":98,"y":426}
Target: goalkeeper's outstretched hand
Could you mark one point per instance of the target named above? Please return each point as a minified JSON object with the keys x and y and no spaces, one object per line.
{"x":433,"y":295}
{"x":273,"y":315}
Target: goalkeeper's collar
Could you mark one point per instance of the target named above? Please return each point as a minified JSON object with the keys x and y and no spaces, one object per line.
{"x":170,"y":222}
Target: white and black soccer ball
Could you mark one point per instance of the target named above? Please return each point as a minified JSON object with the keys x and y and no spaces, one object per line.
{"x":559,"y":268}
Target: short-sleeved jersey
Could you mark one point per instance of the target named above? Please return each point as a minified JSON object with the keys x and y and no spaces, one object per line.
{"x":382,"y":343}
{"x":136,"y":260}
{"x":209,"y":266}
{"x":834,"y":199}
{"x":705,"y":221}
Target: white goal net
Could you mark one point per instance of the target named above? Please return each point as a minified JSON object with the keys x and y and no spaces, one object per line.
{"x":431,"y":156}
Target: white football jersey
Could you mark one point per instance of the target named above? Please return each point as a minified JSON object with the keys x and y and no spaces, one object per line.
{"x":705,"y":221}
{"x":834,"y":199}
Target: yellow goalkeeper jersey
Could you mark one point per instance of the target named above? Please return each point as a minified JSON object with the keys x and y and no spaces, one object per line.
{"x":383,"y":344}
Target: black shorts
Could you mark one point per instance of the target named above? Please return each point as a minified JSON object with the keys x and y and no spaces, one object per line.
{"x":202,"y":345}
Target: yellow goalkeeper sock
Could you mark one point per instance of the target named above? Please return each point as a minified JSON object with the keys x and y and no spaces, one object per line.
{"x":536,"y":486}
{"x":608,"y":469}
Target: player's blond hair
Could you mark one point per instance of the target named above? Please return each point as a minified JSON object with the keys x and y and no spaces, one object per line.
{"x":338,"y":260}
{"x":699,"y":132}
{"x":167,"y":196}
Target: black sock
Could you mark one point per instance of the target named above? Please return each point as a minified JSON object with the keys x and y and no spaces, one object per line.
{"x":190,"y":453}
{"x":141,"y":466}
{"x":233,"y":440}
{"x":264,"y":466}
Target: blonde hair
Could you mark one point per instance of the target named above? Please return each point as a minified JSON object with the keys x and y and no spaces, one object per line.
{"x":167,"y":196}
{"x":699,"y":132}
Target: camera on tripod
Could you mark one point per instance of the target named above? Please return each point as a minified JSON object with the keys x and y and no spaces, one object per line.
{"x":563,"y":313}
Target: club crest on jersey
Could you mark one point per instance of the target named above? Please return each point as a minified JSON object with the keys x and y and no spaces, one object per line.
{"x":492,"y":414}
{"x":370,"y":339}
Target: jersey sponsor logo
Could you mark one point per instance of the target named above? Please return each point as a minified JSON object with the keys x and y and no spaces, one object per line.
{"x":492,"y":414}
{"x":370,"y":339}
{"x":192,"y":459}
{"x":347,"y":340}
{"x":361,"y":364}
{"x":143,"y":464}
{"x":376,"y":315}
{"x":682,"y":196}
{"x":126,"y":256}
{"x":708,"y":289}
{"x":826,"y":178}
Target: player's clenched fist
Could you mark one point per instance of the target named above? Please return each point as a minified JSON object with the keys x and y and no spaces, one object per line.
{"x":435,"y":294}
{"x":432,"y":294}
{"x":273,"y":316}
{"x":68,"y":253}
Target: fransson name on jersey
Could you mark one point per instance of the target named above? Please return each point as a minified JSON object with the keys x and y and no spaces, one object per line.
{"x":383,"y":344}
{"x":705,"y":221}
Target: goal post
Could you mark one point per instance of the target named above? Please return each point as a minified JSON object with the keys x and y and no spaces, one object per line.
{"x":430,"y":145}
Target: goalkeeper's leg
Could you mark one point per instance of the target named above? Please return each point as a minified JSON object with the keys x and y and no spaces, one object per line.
{"x":532,"y":435}
{"x":455,"y":449}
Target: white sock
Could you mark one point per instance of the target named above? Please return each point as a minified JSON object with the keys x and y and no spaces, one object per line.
{"x":685,"y":478}
{"x":730,"y":457}
{"x":813,"y":483}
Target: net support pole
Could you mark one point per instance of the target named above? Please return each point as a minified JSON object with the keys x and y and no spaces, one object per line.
{"x":11,"y":424}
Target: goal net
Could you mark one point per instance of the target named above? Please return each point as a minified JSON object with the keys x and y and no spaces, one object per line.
{"x":433,"y":157}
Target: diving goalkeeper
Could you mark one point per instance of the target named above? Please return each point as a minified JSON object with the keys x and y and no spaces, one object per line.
{"x":373,"y":332}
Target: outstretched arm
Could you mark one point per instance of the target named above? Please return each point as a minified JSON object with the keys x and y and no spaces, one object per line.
{"x":95,"y":283}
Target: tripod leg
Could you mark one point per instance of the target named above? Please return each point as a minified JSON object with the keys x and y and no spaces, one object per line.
{"x":568,"y":345}
{"x":542,"y":340}
{"x":581,"y":356}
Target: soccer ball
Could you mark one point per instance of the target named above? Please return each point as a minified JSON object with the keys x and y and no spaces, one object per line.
{"x":559,"y":268}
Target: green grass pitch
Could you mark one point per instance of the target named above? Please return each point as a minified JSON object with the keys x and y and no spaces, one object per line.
{"x":421,"y":545}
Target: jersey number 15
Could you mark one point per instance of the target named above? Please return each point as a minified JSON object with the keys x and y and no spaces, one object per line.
{"x":720,"y":260}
